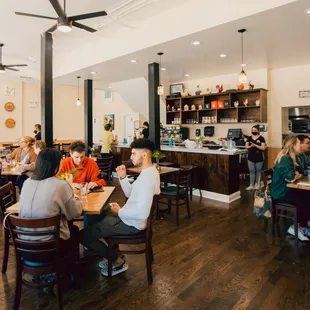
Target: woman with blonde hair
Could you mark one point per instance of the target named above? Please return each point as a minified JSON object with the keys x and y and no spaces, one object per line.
{"x":25,"y":153}
{"x":285,"y":171}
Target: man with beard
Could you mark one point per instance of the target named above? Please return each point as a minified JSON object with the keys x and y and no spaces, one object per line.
{"x":132,"y":217}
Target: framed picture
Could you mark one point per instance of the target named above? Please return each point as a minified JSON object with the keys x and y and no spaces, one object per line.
{"x":176,"y":88}
{"x":109,"y":119}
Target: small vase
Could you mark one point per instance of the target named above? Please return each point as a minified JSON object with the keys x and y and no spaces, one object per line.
{"x":157,"y":165}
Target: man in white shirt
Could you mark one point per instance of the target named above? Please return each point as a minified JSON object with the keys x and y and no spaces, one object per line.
{"x":132,"y":217}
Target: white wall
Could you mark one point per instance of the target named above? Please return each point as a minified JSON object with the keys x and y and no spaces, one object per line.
{"x":258,"y":77}
{"x":285,"y":83}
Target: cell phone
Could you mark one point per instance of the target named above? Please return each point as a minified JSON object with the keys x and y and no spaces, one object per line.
{"x":96,"y":190}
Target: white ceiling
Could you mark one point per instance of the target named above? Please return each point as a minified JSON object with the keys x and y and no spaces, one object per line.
{"x":276,"y":38}
{"x":21,"y":35}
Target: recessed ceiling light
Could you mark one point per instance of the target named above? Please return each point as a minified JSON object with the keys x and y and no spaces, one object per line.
{"x":134,"y":61}
{"x":187,"y":75}
{"x":32,"y":59}
{"x":307,"y":11}
{"x":110,"y":86}
{"x":93,"y":72}
{"x":163,"y":69}
{"x":243,"y":65}
{"x":196,"y":42}
{"x":223,"y":55}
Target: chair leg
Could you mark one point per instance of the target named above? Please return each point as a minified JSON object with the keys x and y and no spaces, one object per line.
{"x":148,"y":256}
{"x":274,"y":217}
{"x":18,"y":287}
{"x":152,"y":255}
{"x":191,"y":192}
{"x":6,"y":250}
{"x":188,"y":208}
{"x":177,"y":212}
{"x":169,"y":206}
{"x":110,"y":247}
{"x":59,"y":291}
{"x":157,"y":210}
{"x":295,"y":227}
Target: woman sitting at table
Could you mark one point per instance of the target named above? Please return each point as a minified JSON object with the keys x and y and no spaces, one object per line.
{"x":285,"y":171}
{"x":46,"y":195}
{"x":28,"y":169}
{"x":25,"y":153}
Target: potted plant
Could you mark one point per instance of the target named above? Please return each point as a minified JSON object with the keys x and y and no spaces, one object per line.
{"x":158,"y":155}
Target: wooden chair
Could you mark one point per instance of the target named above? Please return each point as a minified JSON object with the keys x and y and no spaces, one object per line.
{"x":280,"y":209}
{"x":191,"y":189}
{"x":36,"y":258}
{"x":7,"y":199}
{"x":177,"y":193}
{"x":105,"y":166}
{"x":143,"y":237}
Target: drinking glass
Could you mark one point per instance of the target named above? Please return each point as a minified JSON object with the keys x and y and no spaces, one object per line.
{"x":83,"y":191}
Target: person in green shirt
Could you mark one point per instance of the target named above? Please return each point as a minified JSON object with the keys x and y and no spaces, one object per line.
{"x":302,"y":157}
{"x":286,"y":171}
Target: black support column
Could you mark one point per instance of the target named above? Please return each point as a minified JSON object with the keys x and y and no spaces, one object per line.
{"x":47,"y":88}
{"x":154,"y":104}
{"x":88,"y":114}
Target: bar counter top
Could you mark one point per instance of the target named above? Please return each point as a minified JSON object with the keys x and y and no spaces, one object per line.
{"x":203,"y":150}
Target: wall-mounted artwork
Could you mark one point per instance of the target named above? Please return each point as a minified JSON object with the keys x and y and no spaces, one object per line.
{"x":9,"y":106}
{"x":109,"y":119}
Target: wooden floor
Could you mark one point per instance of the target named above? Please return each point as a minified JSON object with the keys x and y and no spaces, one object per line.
{"x":220,"y":259}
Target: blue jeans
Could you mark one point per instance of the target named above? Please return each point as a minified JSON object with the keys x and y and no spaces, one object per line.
{"x":255,"y":170}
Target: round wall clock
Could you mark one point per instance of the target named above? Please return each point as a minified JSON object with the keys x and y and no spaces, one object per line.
{"x":9,"y":106}
{"x":10,"y":123}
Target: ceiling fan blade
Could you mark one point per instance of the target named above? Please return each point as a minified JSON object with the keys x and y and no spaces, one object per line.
{"x":88,"y":15}
{"x":83,"y":27}
{"x":12,"y":69}
{"x":33,"y":15}
{"x":52,"y":29}
{"x":57,"y":7}
{"x":8,"y":66}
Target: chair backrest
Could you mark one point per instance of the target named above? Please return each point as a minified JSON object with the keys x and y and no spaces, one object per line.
{"x":56,"y":146}
{"x":183,"y":180}
{"x":150,"y":218}
{"x":7,"y":198}
{"x":266,"y":177}
{"x":97,"y":149}
{"x":105,"y":163}
{"x":27,"y":234}
{"x":66,"y":147}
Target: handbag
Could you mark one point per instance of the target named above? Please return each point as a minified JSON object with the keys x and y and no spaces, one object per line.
{"x":262,"y":204}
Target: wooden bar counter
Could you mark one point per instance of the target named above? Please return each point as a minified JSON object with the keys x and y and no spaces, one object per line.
{"x":216,"y":172}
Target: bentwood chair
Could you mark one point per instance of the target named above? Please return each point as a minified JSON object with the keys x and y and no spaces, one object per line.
{"x":177,"y":195}
{"x":280,"y":209}
{"x":65,"y":149}
{"x":105,"y":166}
{"x":36,"y":257}
{"x":143,"y":237}
{"x":7,"y":199}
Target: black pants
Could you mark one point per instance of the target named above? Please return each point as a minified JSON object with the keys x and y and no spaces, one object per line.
{"x":108,"y":226}
{"x":300,"y":199}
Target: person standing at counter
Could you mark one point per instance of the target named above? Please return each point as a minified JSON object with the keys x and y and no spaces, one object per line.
{"x":256,"y":146}
{"x":107,"y":141}
{"x":302,"y":157}
{"x":145,"y":131}
{"x":37,"y":132}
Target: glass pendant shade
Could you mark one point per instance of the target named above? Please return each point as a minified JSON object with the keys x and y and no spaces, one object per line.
{"x":160,"y":90}
{"x":78,"y":103}
{"x":243,"y":78}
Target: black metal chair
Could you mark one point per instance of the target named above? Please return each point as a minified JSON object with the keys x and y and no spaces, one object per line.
{"x":44,"y":254}
{"x":7,"y":199}
{"x":105,"y":166}
{"x":143,"y":237}
{"x":177,"y":193}
{"x":191,"y":189}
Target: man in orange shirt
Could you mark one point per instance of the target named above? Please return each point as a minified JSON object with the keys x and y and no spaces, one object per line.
{"x":88,"y":169}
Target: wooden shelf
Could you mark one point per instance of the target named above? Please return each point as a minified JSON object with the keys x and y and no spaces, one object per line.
{"x":248,"y":107}
{"x":189,"y":111}
{"x":173,"y":111}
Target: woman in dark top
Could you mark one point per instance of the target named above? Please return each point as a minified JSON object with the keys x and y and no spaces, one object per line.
{"x":255,"y":145}
{"x":286,"y":171}
{"x":145,"y":131}
{"x":37,"y":132}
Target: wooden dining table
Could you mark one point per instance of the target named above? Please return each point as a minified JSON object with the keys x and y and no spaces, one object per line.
{"x":95,"y":203}
{"x":11,"y":172}
{"x":162,"y":170}
{"x":303,"y":184}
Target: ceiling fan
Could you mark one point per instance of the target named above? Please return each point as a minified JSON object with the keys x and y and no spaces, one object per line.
{"x":64,"y":22}
{"x":7,"y":67}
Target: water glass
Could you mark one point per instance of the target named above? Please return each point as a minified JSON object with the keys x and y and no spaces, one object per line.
{"x":83,"y":191}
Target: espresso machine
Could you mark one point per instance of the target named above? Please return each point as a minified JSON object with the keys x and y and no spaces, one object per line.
{"x":175,"y":132}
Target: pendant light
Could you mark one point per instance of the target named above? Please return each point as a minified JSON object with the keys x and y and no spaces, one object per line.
{"x":243,"y":78}
{"x":160,"y":88}
{"x":78,"y":102}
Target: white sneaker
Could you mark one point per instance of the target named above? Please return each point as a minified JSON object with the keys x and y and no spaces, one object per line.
{"x":301,"y":235}
{"x":251,"y":187}
{"x":104,"y":263}
{"x":256,"y":186}
{"x":115,"y":270}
